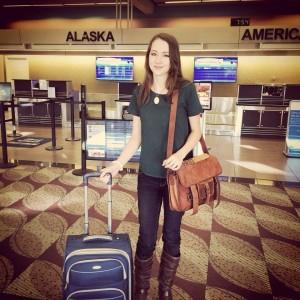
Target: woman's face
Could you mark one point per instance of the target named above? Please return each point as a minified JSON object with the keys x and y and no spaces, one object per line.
{"x":159,"y":58}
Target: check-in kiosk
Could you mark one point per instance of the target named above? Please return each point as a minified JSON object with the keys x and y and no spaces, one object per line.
{"x":292,"y":140}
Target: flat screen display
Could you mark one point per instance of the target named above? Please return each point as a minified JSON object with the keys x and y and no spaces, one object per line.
{"x":5,"y":91}
{"x":125,"y":89}
{"x":215,"y":69}
{"x":292,"y":92}
{"x":107,"y":138}
{"x":119,"y":68}
{"x":23,"y":87}
{"x":250,"y":91}
{"x":249,"y":94}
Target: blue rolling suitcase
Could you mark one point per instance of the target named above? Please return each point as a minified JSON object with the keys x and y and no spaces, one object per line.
{"x":97,"y":266}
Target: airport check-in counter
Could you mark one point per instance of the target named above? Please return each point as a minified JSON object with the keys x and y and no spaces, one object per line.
{"x":221,"y":119}
{"x":262,"y":110}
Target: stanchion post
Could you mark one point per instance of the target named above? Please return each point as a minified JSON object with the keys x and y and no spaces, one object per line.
{"x":83,"y":170}
{"x":13,"y":119}
{"x":103,"y":110}
{"x":53,"y":146}
{"x":72,"y":138}
{"x":5,"y":163}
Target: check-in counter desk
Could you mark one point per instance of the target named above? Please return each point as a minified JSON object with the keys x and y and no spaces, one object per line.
{"x":38,"y":113}
{"x":110,"y":106}
{"x":262,"y":110}
{"x":38,"y":94}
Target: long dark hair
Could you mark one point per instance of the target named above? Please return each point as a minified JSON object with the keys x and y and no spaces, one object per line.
{"x":175,"y":73}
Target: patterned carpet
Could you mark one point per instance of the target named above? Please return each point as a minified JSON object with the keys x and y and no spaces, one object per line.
{"x":246,"y":248}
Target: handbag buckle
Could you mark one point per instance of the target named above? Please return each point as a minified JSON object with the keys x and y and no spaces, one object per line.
{"x":189,"y":197}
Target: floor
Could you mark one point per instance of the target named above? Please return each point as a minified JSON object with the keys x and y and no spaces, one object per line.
{"x":253,"y":160}
{"x":245,"y":248}
{"x":261,"y":160}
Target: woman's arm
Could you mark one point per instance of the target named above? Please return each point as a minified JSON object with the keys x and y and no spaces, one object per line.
{"x":174,"y":162}
{"x":130,"y":148}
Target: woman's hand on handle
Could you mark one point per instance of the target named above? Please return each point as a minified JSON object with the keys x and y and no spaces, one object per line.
{"x":113,"y":168}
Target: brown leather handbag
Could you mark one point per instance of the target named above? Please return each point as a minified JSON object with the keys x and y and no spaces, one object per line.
{"x":196,"y":182}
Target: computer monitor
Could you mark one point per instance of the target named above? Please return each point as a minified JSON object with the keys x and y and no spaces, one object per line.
{"x":5,"y":91}
{"x":23,"y":87}
{"x":215,"y":69}
{"x":118,"y":68}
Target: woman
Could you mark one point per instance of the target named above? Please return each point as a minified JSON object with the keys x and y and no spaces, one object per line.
{"x":150,"y":107}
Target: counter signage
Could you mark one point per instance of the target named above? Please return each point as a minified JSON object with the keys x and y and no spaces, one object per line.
{"x":204,"y":90}
{"x":271,"y":34}
{"x":90,"y":36}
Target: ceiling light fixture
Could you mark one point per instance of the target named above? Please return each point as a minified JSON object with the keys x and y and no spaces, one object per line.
{"x":30,"y":5}
{"x":79,"y":4}
{"x":276,"y":46}
{"x":221,"y":0}
{"x":183,"y":2}
{"x":66,"y":4}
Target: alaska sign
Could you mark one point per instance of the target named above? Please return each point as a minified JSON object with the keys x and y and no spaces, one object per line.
{"x":90,"y":36}
{"x":272,"y":34}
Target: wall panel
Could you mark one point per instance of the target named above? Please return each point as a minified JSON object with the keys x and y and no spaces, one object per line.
{"x":81,"y":69}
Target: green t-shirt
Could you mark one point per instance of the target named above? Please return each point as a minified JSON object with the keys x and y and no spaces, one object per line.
{"x":155,"y":124}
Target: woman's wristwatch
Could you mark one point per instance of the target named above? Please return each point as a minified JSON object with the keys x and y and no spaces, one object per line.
{"x":118,"y":163}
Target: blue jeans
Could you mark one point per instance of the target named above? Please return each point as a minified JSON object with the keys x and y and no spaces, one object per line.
{"x":152,"y":193}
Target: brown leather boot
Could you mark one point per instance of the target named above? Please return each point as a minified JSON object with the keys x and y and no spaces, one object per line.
{"x":167,"y":271}
{"x":142,"y":277}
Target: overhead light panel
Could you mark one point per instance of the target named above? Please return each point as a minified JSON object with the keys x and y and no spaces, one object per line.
{"x":63,"y":47}
{"x":131,"y":47}
{"x":190,"y":47}
{"x":279,"y":46}
{"x":12,"y":47}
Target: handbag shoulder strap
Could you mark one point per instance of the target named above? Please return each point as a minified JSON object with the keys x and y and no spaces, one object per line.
{"x":203,"y":144}
{"x":172,"y":122}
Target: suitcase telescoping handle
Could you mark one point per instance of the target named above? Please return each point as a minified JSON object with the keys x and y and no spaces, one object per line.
{"x":86,"y":213}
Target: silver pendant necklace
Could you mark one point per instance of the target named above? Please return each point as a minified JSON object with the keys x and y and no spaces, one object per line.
{"x":156,"y":98}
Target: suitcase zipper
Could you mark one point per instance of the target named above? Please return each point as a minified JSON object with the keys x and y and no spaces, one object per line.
{"x":96,"y":290}
{"x":96,"y":251}
{"x":94,"y":260}
{"x":93,"y":251}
